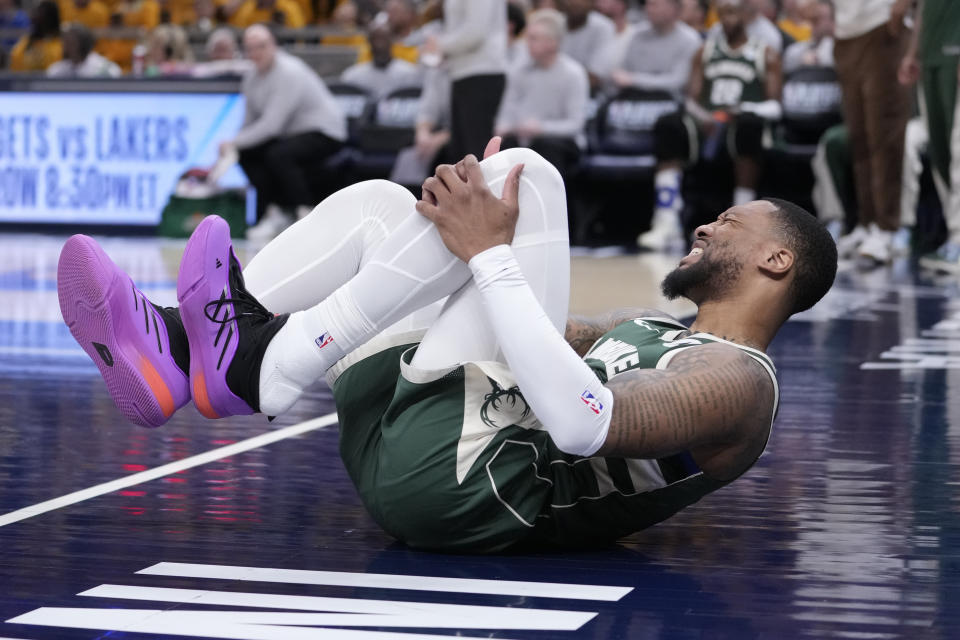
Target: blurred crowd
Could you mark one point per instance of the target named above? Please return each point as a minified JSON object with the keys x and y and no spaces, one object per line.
{"x":709,"y":77}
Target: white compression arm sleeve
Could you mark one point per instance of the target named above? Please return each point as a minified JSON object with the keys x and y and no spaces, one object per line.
{"x":566,"y":396}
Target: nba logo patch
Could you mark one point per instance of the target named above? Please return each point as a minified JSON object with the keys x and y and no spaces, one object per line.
{"x":324,"y":340}
{"x":593,"y":403}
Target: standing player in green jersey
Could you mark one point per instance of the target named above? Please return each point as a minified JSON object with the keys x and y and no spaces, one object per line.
{"x":502,"y":423}
{"x":933,"y":59}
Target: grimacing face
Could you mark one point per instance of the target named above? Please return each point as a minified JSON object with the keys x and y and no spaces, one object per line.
{"x":723,"y":249}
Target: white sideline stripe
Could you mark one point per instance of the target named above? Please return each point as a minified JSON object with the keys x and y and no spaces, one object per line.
{"x":379,"y":613}
{"x":167,"y":469}
{"x":201,"y":624}
{"x":343,"y":612}
{"x":389,"y":581}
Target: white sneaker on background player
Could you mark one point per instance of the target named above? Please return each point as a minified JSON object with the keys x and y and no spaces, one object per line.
{"x":848,"y":245}
{"x":877,"y":246}
{"x":665,"y":232}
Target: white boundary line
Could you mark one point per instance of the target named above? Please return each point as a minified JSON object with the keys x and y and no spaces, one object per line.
{"x":167,"y":469}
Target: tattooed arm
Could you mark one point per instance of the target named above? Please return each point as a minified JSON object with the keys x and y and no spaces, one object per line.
{"x":583,"y":331}
{"x":714,"y":401}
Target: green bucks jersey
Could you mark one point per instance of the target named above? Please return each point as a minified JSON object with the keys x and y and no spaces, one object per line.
{"x":456,"y":460}
{"x":732,"y":76}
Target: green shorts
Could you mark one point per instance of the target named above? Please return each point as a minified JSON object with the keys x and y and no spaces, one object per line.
{"x":443,"y":460}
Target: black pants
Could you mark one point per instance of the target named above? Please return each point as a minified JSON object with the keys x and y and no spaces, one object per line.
{"x":278,"y":168}
{"x":673,"y":140}
{"x":474,"y":102}
{"x":563,"y":153}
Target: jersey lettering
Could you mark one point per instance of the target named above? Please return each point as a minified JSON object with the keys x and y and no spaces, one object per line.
{"x":616,"y":355}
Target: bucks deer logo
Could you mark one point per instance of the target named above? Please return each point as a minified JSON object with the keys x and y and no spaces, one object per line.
{"x":503,"y":407}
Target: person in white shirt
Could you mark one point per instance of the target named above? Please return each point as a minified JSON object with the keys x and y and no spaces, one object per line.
{"x":818,"y":50}
{"x":590,"y":35}
{"x":383,"y":73}
{"x":79,"y":58}
{"x":616,"y":10}
{"x":545,"y":103}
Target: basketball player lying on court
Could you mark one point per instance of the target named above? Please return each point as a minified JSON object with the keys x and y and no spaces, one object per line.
{"x":491,"y":427}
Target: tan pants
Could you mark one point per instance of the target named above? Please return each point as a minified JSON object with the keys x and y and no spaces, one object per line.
{"x":876,"y":109}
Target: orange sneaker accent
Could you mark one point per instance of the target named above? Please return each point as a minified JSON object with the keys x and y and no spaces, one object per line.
{"x":159,"y":388}
{"x":201,"y":399}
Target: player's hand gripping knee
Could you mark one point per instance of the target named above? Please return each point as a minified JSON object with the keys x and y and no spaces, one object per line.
{"x":468,"y":216}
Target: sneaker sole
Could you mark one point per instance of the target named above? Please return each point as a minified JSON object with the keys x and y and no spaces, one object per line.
{"x":200,"y":280}
{"x":95,"y":302}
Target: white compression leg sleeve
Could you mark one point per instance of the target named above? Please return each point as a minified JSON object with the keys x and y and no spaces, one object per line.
{"x":410,"y":269}
{"x":567,"y":397}
{"x":313,"y":258}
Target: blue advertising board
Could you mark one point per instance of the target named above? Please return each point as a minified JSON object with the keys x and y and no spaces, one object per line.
{"x":107,"y":158}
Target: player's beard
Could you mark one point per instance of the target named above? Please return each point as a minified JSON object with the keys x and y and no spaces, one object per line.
{"x":713,"y":275}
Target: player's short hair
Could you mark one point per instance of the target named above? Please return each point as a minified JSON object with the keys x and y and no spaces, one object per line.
{"x":553,"y":19}
{"x":815,"y":253}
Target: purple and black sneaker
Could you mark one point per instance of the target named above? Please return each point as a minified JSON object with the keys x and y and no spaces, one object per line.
{"x":227,"y":328}
{"x":140,"y":348}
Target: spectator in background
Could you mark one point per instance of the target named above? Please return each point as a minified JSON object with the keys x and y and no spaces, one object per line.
{"x":383,"y":73}
{"x":589,"y":37}
{"x":545,"y":103}
{"x":283,"y":13}
{"x":222,"y":56}
{"x":758,"y":26}
{"x":400,"y":18}
{"x":659,"y":55}
{"x":734,"y":79}
{"x":431,"y":136}
{"x":91,"y":13}
{"x":870,"y":41}
{"x":934,"y":58}
{"x":473,"y":46}
{"x":291,"y":120}
{"x":345,"y":19}
{"x":794,"y":19}
{"x":43,"y":46}
{"x":12,"y":17}
{"x":816,"y":51}
{"x":616,"y":10}
{"x":516,"y":23}
{"x":694,"y":14}
{"x":167,"y":52}
{"x":79,"y":58}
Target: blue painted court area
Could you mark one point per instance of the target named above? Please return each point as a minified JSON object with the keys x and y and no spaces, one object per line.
{"x":849,"y":527}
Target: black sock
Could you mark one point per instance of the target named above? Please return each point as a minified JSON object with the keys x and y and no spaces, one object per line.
{"x":179,"y":348}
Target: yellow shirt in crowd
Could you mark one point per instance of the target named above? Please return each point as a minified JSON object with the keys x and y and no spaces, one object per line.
{"x":249,"y":14}
{"x":799,"y":31}
{"x":95,"y":15}
{"x":36,"y":57}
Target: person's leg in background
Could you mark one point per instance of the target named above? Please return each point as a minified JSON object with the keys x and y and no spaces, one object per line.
{"x":675,"y":143}
{"x":833,"y":193}
{"x":850,"y":58}
{"x":253,"y":163}
{"x":942,"y":102}
{"x":745,"y":139}
{"x":474,"y":102}
{"x":287,"y":160}
{"x":886,"y":109}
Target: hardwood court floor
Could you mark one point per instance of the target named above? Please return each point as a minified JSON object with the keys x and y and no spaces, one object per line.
{"x":848,"y":527}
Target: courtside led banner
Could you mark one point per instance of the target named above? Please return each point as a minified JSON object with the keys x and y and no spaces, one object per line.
{"x":106,"y":158}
